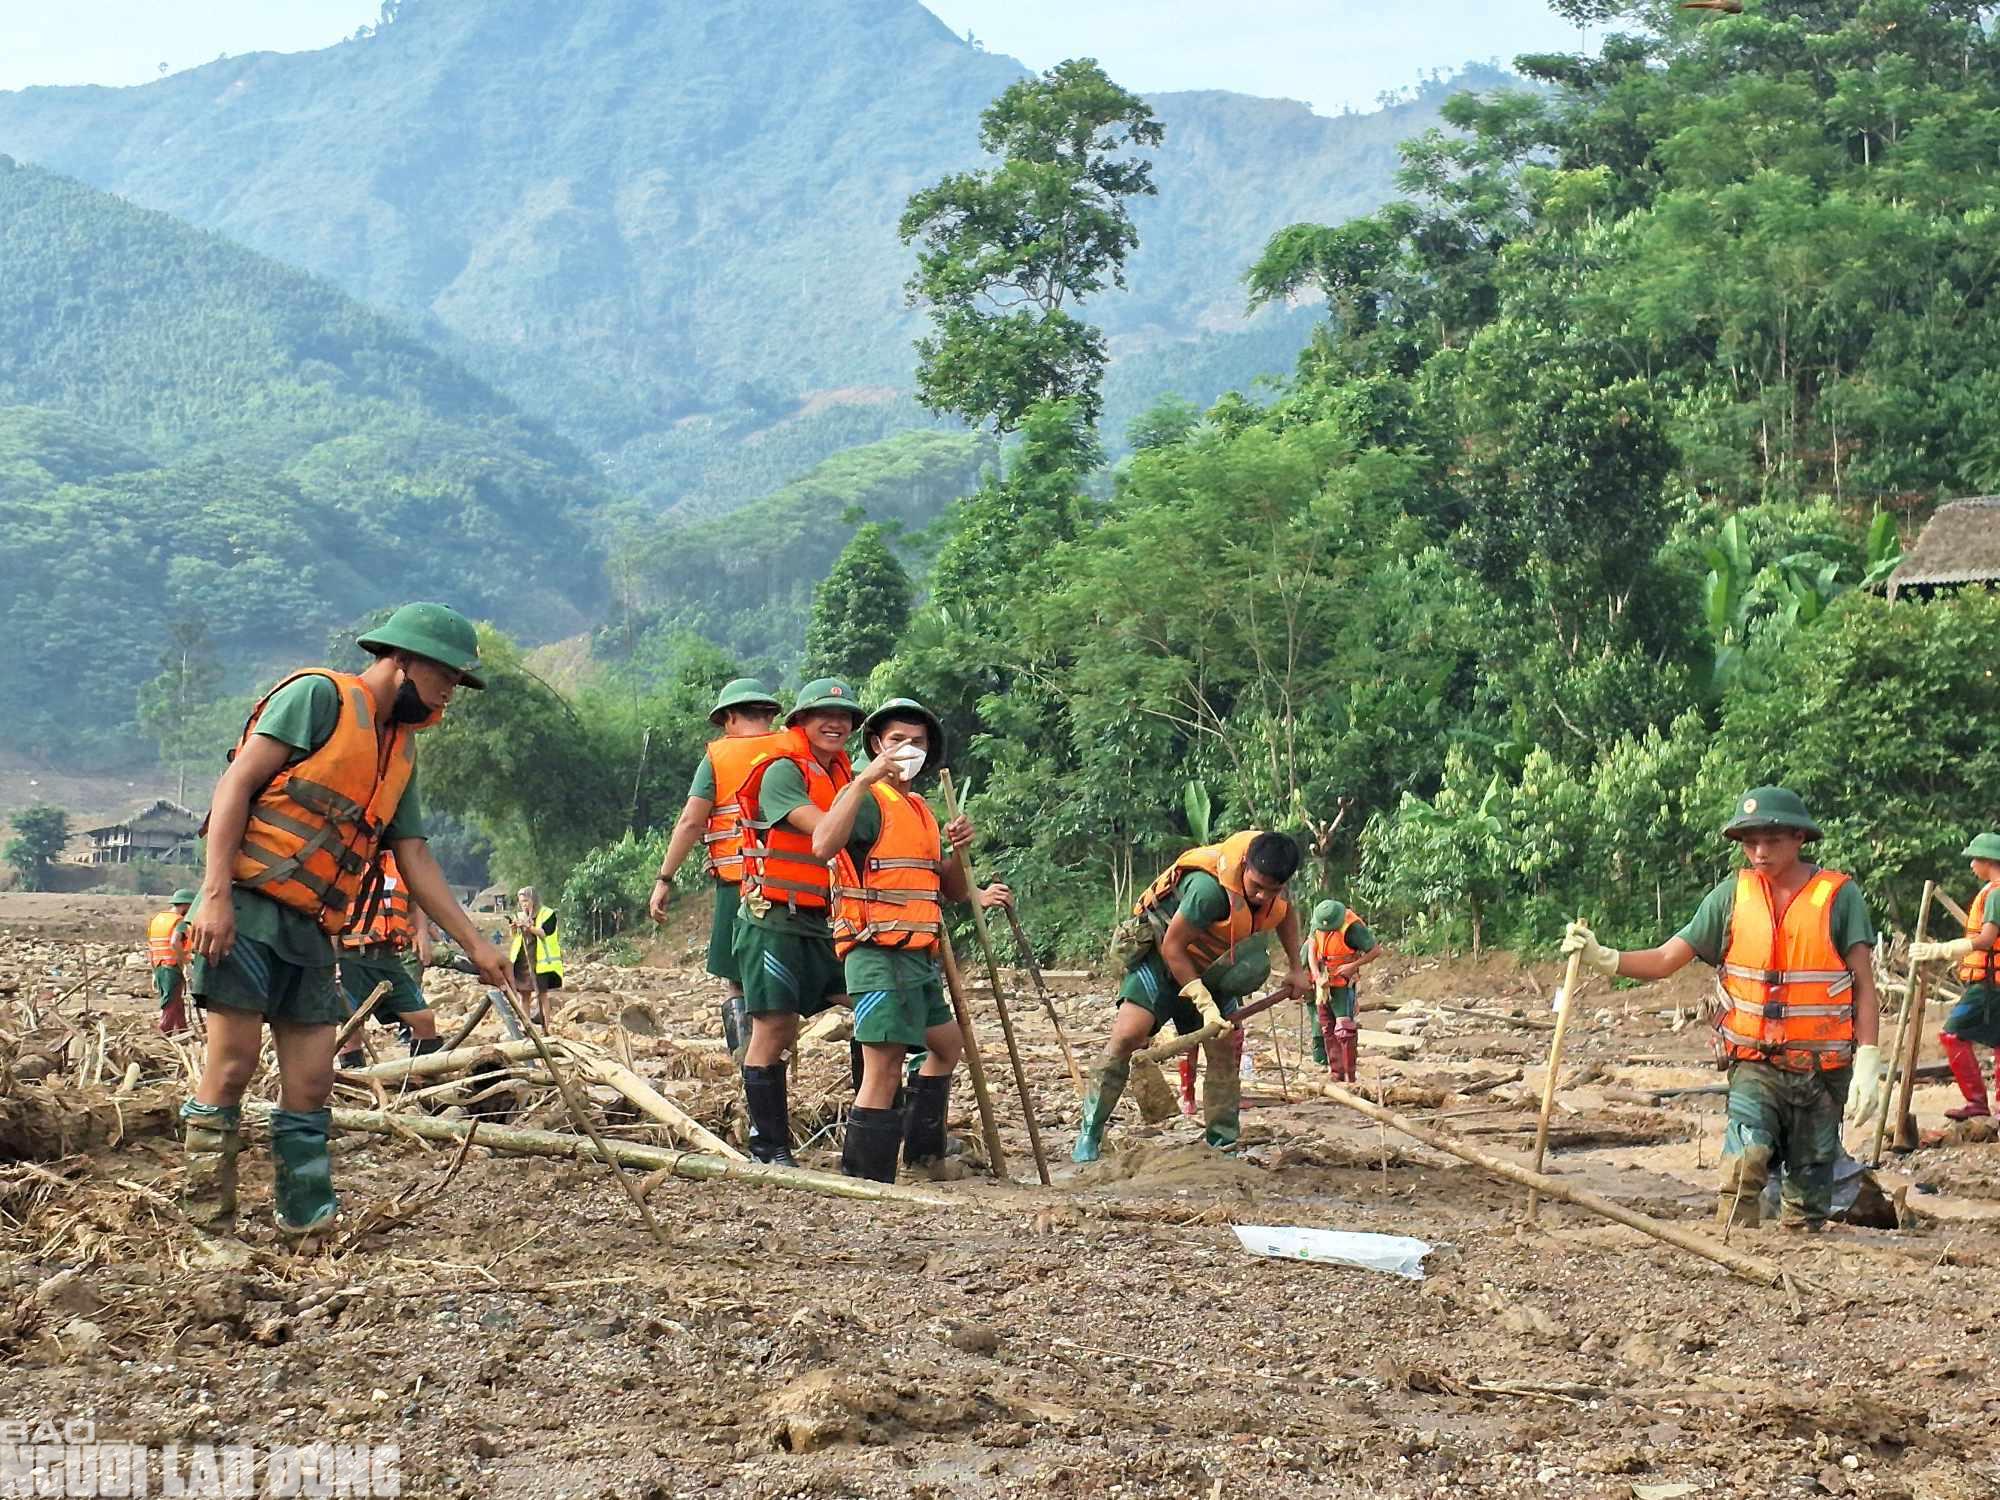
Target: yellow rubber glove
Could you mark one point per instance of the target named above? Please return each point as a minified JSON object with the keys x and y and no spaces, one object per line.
{"x":1923,"y":953}
{"x":1196,"y":993}
{"x":1577,"y":938}
{"x":1864,"y":1094}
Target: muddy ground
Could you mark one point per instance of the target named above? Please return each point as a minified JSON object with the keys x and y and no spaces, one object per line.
{"x":518,"y":1333}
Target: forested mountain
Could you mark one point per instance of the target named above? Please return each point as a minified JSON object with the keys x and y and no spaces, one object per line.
{"x":664,"y":223}
{"x":192,"y":432}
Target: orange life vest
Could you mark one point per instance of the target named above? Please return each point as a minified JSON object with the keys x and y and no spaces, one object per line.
{"x":1789,"y":995}
{"x":313,"y":829}
{"x":1978,"y":967}
{"x":382,"y":911}
{"x":893,"y":901}
{"x":1332,"y":949}
{"x":730,"y":759}
{"x":166,"y":949}
{"x":779,"y":867}
{"x":1225,"y":862}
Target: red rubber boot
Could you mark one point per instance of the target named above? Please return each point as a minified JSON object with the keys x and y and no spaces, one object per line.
{"x":1187,"y":1083}
{"x":1347,"y":1040}
{"x":1965,"y":1069}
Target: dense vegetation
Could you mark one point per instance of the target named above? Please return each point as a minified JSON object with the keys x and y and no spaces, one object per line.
{"x":664,"y":225}
{"x":190,"y":432}
{"x":1557,"y":540}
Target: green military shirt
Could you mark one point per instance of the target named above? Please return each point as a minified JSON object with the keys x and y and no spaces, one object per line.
{"x":1708,"y":932}
{"x":784,"y":789}
{"x":870,"y":967}
{"x":703,"y":785}
{"x":1202,"y":900}
{"x":302,"y":715}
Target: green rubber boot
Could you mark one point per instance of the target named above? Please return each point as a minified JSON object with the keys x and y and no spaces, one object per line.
{"x":1107,"y":1086}
{"x":303,"y":1169}
{"x":208,"y":1194}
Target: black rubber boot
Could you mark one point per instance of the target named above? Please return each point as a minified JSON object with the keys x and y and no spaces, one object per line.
{"x":874,"y":1136}
{"x":854,"y":1066}
{"x":770,"y":1117}
{"x":923,"y":1122}
{"x":349,"y":1061}
{"x":423,"y":1046}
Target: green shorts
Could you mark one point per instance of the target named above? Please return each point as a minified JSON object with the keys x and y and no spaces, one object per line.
{"x":900,"y":1017}
{"x":167,"y":983}
{"x":722,"y":933}
{"x":255,"y":979}
{"x":360,"y":973}
{"x":1150,"y":986}
{"x":1976,"y":1017}
{"x":786,"y":971}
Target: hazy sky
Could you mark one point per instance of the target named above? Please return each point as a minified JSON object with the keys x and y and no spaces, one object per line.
{"x":1328,"y":52}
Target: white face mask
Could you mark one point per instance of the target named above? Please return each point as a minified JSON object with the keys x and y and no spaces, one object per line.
{"x":908,"y":761}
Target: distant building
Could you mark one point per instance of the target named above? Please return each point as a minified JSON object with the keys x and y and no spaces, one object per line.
{"x":159,"y":830}
{"x":1960,"y":547}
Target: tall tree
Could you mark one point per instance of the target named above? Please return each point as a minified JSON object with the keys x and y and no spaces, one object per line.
{"x":39,"y":835}
{"x":175,"y":708}
{"x":859,"y":610}
{"x":1007,"y":249}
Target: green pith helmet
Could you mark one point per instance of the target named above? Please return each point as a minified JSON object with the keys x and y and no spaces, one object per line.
{"x":1770,"y":807}
{"x":909,"y":708}
{"x":1328,"y":916}
{"x":825,"y":692}
{"x":183,"y":897}
{"x":1986,"y":846}
{"x":744,"y":692}
{"x":434,"y":631}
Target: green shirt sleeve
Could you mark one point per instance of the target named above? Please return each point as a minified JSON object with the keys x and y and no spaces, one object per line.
{"x":1850,"y":918}
{"x":301,"y":714}
{"x":784,"y":788}
{"x":1360,"y":939}
{"x":1708,"y":930}
{"x":867,"y":828}
{"x":1203,"y":901}
{"x":703,"y":785}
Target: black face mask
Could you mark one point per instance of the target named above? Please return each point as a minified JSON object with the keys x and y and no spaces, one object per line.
{"x":409,"y":707}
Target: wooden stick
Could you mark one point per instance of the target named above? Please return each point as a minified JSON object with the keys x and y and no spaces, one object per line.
{"x":650,"y":1101}
{"x":975,"y":1066}
{"x":574,"y":1105}
{"x":1555,"y":1060}
{"x":693,"y":1165}
{"x":1048,"y":1001}
{"x":1278,"y":1055}
{"x":999,"y":995}
{"x":1160,"y":1051}
{"x":361,"y":1014}
{"x":433,"y":1064}
{"x":1909,"y":1044}
{"x":1752,"y":1267}
{"x":466,"y":1029}
{"x":1954,"y":908}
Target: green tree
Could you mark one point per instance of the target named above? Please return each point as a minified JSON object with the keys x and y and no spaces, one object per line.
{"x":859,"y":610}
{"x":39,"y":835}
{"x":1008,"y":248}
{"x":176,"y":707}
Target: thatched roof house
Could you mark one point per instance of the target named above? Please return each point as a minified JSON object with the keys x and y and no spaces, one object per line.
{"x":161,"y":830}
{"x":1960,"y":546}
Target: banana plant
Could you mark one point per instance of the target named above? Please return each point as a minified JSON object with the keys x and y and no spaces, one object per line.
{"x":1200,"y":811}
{"x":1884,"y":550}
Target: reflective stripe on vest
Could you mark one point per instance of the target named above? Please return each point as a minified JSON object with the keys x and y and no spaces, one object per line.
{"x":1224,"y":861}
{"x":779,"y":867}
{"x":548,"y":950}
{"x":1978,"y":966}
{"x":893,"y":902}
{"x":1789,"y":995}
{"x":729,"y":761}
{"x":313,"y":829}
{"x":1330,"y":948}
{"x":165,"y":950}
{"x":382,"y":910}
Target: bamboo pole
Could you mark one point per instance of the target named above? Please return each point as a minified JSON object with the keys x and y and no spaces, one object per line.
{"x":650,"y":1101}
{"x":975,"y":1066}
{"x":1570,"y":973}
{"x":1752,"y":1267}
{"x":1048,"y":1001}
{"x":999,"y":996}
{"x":1278,"y":1056}
{"x":472,"y":1021}
{"x":361,"y":1014}
{"x":1159,"y":1052}
{"x":1909,"y":1041}
{"x":689,"y":1164}
{"x":433,"y":1064}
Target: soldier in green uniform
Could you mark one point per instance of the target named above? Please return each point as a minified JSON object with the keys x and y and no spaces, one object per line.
{"x":1976,"y":1017}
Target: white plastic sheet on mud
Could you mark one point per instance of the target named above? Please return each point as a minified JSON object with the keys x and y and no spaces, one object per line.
{"x":1397,"y":1254}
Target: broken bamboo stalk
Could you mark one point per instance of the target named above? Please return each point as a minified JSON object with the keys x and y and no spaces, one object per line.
{"x":361,"y":1014}
{"x":1903,"y":1058}
{"x":696,"y":1166}
{"x":1567,"y":1003}
{"x":649,"y":1101}
{"x":1751,"y":1267}
{"x":433,"y":1064}
{"x":466,"y":1028}
{"x":999,"y":995}
{"x":1500,"y":1018}
{"x":1048,"y":1001}
{"x":975,"y":1066}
